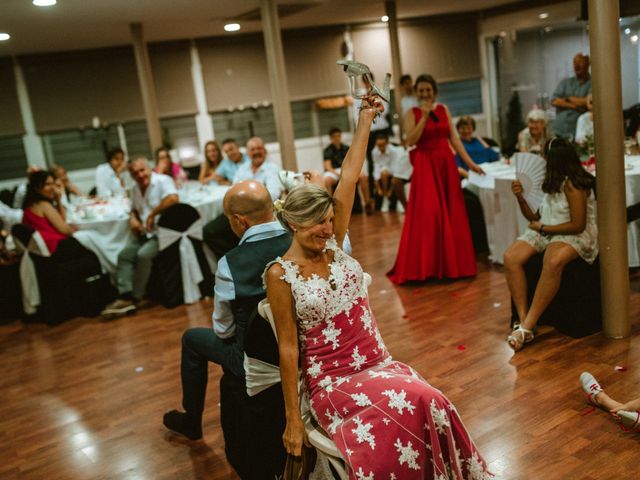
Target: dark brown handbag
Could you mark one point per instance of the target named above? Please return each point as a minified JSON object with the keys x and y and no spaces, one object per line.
{"x":299,"y":468}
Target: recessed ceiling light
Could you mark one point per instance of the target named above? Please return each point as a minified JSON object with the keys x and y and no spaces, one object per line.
{"x":384,"y":18}
{"x":44,"y":3}
{"x":4,"y":37}
{"x":634,"y":39}
{"x":232,"y":27}
{"x":542,"y":16}
{"x":627,"y":31}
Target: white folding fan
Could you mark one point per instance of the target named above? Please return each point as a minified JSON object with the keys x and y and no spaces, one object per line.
{"x":530,"y":170}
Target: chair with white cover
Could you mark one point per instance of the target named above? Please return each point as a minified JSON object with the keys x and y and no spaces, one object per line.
{"x":29,"y":241}
{"x":181,"y":262}
{"x":260,"y":375}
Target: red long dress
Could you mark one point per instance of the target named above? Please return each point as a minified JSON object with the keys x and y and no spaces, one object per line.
{"x":436,"y":239}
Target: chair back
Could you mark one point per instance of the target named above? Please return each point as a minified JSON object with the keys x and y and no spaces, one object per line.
{"x":178,"y":217}
{"x":181,"y":224}
{"x":29,"y":241}
{"x":316,"y":435}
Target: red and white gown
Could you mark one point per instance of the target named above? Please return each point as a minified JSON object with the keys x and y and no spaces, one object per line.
{"x":387,"y":421}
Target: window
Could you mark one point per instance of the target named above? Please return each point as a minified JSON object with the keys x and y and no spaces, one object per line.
{"x":80,"y":148}
{"x":244,"y":124}
{"x":338,"y":117}
{"x":463,"y":97}
{"x":13,"y":160}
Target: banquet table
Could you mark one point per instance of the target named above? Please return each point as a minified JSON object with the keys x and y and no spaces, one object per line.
{"x":505,"y":223}
{"x":103,"y":225}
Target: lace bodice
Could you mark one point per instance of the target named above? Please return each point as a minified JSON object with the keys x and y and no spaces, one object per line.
{"x":318,"y":299}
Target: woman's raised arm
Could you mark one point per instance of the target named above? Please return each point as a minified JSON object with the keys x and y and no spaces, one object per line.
{"x":352,"y":166}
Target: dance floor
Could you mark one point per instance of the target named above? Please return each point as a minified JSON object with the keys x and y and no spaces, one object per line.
{"x":84,"y":400}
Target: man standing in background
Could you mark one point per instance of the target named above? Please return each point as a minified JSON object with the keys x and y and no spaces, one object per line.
{"x":570,"y":98}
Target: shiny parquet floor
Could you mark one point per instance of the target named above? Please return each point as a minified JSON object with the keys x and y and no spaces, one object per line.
{"x":84,"y":400}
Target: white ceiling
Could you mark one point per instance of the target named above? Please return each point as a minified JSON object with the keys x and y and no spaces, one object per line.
{"x":82,"y":24}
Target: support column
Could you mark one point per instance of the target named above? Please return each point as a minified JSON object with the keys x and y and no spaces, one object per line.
{"x":204,"y":124}
{"x":32,"y":142}
{"x":147,"y":87}
{"x":604,"y":38}
{"x":278,"y":83}
{"x":396,"y":64}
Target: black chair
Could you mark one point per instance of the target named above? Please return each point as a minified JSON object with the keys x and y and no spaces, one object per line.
{"x":70,"y":282}
{"x":576,"y":308}
{"x":166,"y":285}
{"x":6,"y":196}
{"x":252,"y":426}
{"x":476,"y":221}
{"x":11,"y":292}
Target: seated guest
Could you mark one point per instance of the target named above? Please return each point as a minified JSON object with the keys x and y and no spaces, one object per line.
{"x":259,"y":169}
{"x":233,"y":160}
{"x":627,"y":414}
{"x":584,"y":127}
{"x":534,"y":136}
{"x":110,"y":176}
{"x":40,"y":212}
{"x":477,"y":148}
{"x":64,"y":185}
{"x":151,"y":195}
{"x":212,"y":160}
{"x":21,"y":190}
{"x":402,"y":171}
{"x":238,"y":290}
{"x":333,"y":157}
{"x":384,"y":156}
{"x":217,"y":234}
{"x":564,"y":228}
{"x":166,"y":166}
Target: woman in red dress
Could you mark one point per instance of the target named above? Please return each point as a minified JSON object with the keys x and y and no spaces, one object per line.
{"x":436,"y":239}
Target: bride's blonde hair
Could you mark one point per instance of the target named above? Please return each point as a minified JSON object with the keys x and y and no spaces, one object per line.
{"x":306,"y":205}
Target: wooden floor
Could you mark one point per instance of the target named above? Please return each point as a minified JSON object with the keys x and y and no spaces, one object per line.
{"x":84,"y":400}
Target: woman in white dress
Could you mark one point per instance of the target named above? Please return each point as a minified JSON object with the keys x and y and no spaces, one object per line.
{"x":564,"y":228}
{"x":387,"y":421}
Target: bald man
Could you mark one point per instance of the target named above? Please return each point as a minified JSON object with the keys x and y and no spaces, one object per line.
{"x":570,"y":98}
{"x":238,"y":290}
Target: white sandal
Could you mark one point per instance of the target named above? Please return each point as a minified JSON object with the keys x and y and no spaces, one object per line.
{"x":519,"y":336}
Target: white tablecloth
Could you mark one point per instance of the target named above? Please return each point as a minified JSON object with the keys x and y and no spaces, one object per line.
{"x":103,"y":228}
{"x":505,"y":223}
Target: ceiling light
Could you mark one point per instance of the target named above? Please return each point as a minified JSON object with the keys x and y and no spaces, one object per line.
{"x":627,"y":31}
{"x":634,"y":38}
{"x":4,"y":37}
{"x":232,"y":27}
{"x":542,"y":16}
{"x":384,"y":18}
{"x":44,"y":3}
{"x":547,"y":29}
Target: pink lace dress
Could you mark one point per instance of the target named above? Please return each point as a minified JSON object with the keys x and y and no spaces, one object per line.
{"x":387,"y":421}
